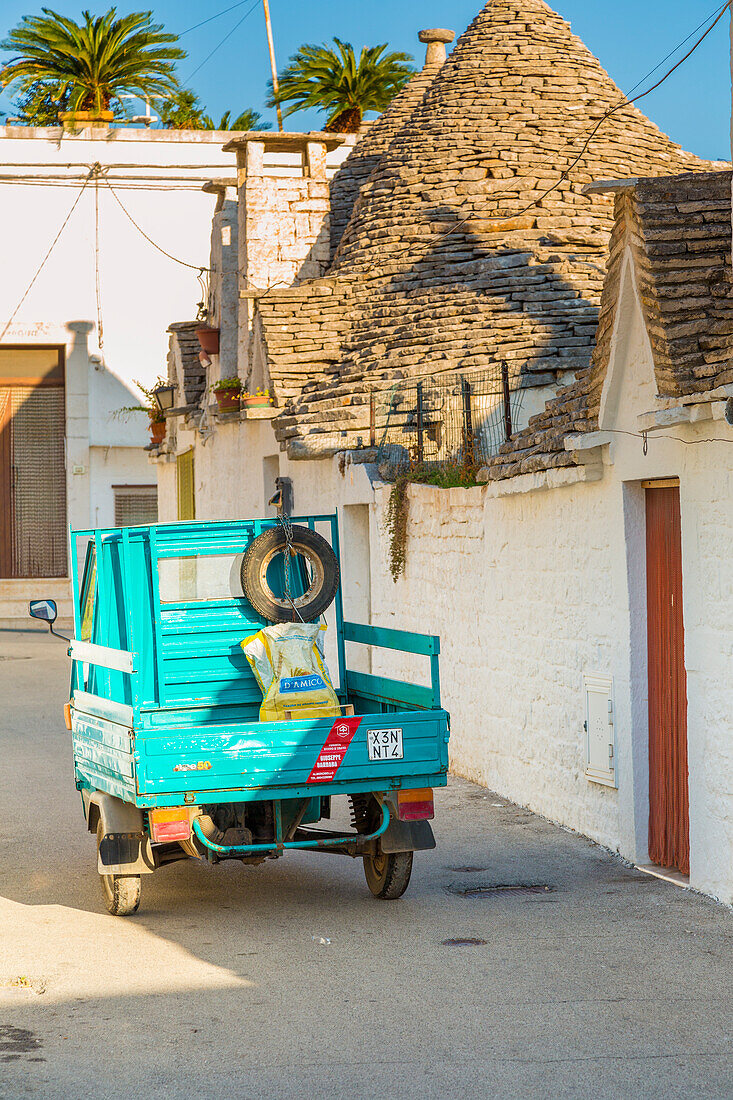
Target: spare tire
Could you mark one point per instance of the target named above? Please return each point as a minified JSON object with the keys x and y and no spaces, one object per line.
{"x":323,"y":575}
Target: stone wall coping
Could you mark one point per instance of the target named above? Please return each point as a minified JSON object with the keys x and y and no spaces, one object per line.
{"x":276,"y":142}
{"x":117,"y":134}
{"x":523,"y":483}
{"x":218,"y":184}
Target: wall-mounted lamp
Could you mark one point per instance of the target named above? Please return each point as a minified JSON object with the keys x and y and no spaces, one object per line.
{"x":164,"y":397}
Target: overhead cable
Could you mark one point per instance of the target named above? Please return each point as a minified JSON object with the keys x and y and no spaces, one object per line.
{"x":624,"y":102}
{"x":97,"y":277}
{"x":194,"y":267}
{"x":42,"y":264}
{"x":211,"y":18}
{"x":227,"y":36}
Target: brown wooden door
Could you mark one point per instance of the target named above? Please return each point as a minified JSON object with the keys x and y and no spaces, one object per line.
{"x":669,"y":818}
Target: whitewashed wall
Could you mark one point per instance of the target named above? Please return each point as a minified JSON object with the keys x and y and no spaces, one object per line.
{"x":529,"y":589}
{"x":141,"y":289}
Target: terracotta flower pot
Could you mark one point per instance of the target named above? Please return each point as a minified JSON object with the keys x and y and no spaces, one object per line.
{"x":157,"y":432}
{"x":208,"y":338}
{"x":256,"y":402}
{"x":227,"y":401}
{"x":81,"y":118}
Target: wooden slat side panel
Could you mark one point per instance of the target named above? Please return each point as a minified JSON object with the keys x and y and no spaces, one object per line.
{"x":669,"y":830}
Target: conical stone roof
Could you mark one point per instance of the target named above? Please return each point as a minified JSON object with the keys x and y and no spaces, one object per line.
{"x":366,"y":155}
{"x":369,"y":150}
{"x":455,"y":258}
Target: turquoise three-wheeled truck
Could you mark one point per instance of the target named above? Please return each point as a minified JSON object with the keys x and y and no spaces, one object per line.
{"x":170,"y":757}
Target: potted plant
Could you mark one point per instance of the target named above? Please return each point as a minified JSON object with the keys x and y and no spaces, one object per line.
{"x":208,"y":338}
{"x":73,"y":119}
{"x":259,"y":400}
{"x":156,"y":416}
{"x":227,"y":392}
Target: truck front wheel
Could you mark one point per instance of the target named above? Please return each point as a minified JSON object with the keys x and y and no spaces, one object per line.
{"x":121,"y":892}
{"x":388,"y":875}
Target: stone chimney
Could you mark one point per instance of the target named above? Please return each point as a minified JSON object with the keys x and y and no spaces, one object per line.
{"x":436,"y":39}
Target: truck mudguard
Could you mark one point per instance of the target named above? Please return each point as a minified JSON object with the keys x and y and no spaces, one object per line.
{"x":125,"y":847}
{"x":406,"y":836}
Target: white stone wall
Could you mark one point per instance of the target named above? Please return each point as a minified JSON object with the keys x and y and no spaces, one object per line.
{"x":528,"y":591}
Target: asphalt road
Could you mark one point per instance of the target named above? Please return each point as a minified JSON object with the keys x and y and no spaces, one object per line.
{"x":609,"y":984}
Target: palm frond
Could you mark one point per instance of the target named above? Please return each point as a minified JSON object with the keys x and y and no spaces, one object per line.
{"x":331,"y":79}
{"x":94,"y":61}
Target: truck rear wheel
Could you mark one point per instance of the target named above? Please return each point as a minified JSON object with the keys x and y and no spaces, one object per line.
{"x":121,"y":893}
{"x":388,"y":875}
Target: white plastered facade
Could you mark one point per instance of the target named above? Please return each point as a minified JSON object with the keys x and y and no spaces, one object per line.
{"x":158,"y":176}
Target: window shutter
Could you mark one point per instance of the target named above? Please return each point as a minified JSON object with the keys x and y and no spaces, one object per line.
{"x":186,"y":500}
{"x":135,"y":505}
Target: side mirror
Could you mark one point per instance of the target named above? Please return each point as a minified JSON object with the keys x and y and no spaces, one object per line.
{"x":43,"y":609}
{"x":47,"y":612}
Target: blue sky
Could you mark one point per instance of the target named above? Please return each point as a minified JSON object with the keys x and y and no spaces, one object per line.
{"x":629,"y":37}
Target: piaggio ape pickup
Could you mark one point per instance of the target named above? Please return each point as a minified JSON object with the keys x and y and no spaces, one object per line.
{"x":169,"y":755}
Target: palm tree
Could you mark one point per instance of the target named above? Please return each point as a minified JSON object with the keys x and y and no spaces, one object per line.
{"x":183,"y":111}
{"x":333,"y":80}
{"x":86,"y":66}
{"x":247,"y":120}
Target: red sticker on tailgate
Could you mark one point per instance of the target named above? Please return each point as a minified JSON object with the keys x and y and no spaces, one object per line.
{"x":334,"y":750}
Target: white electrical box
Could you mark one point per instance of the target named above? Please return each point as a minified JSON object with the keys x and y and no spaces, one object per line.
{"x":600,"y":738}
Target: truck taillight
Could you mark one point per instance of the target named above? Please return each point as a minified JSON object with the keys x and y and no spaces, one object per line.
{"x":173,"y":823}
{"x":415,"y":805}
{"x":67,"y":715}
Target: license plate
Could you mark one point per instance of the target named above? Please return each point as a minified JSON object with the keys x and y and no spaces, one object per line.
{"x":385,"y":744}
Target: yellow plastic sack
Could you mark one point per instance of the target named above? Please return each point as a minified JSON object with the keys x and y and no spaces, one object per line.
{"x":290,"y":670}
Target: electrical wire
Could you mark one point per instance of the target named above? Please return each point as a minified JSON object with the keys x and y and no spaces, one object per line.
{"x":42,"y":264}
{"x":673,"y":51}
{"x":200,"y":268}
{"x":193,"y":267}
{"x":97,"y":278}
{"x":211,"y":18}
{"x":226,"y":37}
{"x":644,"y":436}
{"x":625,"y":102}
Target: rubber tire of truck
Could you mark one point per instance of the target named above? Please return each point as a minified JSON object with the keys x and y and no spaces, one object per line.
{"x":121,"y":893}
{"x":314,"y":549}
{"x":388,"y":875}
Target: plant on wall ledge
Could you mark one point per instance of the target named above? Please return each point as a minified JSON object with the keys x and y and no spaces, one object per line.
{"x":149,"y":406}
{"x":227,"y":392}
{"x":259,"y":400}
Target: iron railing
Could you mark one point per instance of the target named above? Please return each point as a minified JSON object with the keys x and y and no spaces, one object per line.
{"x":458,"y":420}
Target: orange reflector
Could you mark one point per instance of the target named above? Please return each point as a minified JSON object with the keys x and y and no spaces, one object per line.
{"x":415,"y":805}
{"x":173,"y":823}
{"x":67,"y":715}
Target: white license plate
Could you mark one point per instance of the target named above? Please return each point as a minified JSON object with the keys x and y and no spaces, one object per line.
{"x":385,"y":744}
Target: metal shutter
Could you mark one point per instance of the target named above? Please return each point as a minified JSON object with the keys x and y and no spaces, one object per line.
{"x":135,"y":505}
{"x":39,"y":481}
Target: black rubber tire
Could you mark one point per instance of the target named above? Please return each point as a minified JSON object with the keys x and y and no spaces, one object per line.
{"x":319,"y":596}
{"x":121,"y":893}
{"x":388,"y":876}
